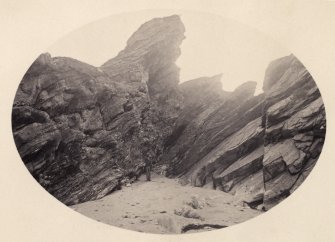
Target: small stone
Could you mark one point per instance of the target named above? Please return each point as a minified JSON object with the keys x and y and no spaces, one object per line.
{"x":260,"y":207}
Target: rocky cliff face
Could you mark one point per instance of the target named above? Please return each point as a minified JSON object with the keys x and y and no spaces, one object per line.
{"x":82,"y":130}
{"x":295,"y":127}
{"x":150,"y":57}
{"x":259,"y":148}
{"x":221,"y":144}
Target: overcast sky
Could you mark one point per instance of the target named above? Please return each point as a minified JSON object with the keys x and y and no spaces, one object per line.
{"x":213,"y":45}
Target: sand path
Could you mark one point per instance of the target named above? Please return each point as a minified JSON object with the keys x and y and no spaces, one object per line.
{"x":150,"y":207}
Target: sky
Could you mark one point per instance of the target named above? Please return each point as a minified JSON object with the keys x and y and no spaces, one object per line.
{"x":213,"y":45}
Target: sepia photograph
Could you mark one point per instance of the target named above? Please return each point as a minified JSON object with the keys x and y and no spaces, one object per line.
{"x":157,"y":142}
{"x":162,"y":121}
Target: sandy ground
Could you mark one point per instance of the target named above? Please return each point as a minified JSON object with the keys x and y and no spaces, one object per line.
{"x":152,"y":206}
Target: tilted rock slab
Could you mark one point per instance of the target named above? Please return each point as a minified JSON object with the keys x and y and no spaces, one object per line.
{"x":295,"y":126}
{"x":83,"y":130}
{"x":258,"y":148}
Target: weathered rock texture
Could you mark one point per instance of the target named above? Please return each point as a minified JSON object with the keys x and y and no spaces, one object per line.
{"x":260,"y":148}
{"x":295,"y":126}
{"x":82,"y":130}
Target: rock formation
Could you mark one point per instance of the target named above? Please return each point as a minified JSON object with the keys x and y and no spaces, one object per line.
{"x":82,"y":130}
{"x":260,"y":148}
{"x":86,"y":128}
{"x":295,"y":126}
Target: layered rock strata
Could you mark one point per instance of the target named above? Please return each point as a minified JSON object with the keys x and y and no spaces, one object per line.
{"x":295,"y":126}
{"x":83,"y":130}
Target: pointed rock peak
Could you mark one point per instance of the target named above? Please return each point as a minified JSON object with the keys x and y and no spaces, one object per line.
{"x":157,"y":28}
{"x":277,"y":69}
{"x":203,"y":86}
{"x":44,"y":58}
{"x":154,"y":44}
{"x":216,"y":78}
{"x":245,"y":90}
{"x":202,"y":81}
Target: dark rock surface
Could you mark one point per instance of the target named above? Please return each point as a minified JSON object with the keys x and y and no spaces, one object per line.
{"x":259,"y":148}
{"x":86,"y":128}
{"x":222,"y":141}
{"x":295,"y":126}
{"x":83,"y":130}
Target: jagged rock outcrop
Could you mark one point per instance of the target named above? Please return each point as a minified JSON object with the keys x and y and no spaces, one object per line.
{"x":295,"y":126}
{"x":258,"y":148}
{"x":221,"y":142}
{"x":82,"y":130}
{"x":141,"y":61}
